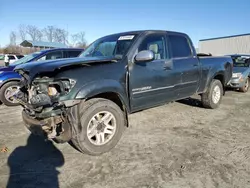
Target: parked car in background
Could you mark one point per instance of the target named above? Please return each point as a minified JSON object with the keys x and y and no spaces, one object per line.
{"x":241,"y":70}
{"x":86,"y":100}
{"x":9,"y":79}
{"x":12,"y":58}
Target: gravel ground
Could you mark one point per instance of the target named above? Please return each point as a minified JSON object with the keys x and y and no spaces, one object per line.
{"x":175,"y":145}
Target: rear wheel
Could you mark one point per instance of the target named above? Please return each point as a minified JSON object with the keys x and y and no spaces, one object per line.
{"x":245,"y":88}
{"x":100,"y":126}
{"x":212,"y":97}
{"x":7,"y":91}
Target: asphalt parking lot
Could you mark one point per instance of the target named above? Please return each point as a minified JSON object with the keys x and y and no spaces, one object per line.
{"x":175,"y":145}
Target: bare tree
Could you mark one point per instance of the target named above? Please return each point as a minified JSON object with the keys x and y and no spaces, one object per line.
{"x":64,"y":36}
{"x":39,"y":35}
{"x":78,"y":39}
{"x":60,"y":35}
{"x":34,"y":33}
{"x":74,"y":39}
{"x":22,"y":31}
{"x":49,"y":33}
{"x":12,"y":38}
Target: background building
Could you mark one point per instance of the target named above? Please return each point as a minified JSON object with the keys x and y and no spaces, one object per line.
{"x":42,"y":45}
{"x":235,"y":44}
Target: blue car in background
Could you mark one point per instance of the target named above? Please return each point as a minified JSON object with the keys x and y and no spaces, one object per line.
{"x":9,"y":79}
{"x":241,"y":70}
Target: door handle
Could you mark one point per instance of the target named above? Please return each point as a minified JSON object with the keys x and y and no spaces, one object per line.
{"x":195,"y":65}
{"x":168,"y":65}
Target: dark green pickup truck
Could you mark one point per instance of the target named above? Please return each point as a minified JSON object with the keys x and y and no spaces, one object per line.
{"x":86,"y":100}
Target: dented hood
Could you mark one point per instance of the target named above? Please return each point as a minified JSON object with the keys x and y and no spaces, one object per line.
{"x":34,"y":68}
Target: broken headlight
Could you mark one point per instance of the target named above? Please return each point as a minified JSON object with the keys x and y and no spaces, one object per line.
{"x":53,"y":87}
{"x":68,"y":85}
{"x":63,"y":87}
{"x":52,"y":91}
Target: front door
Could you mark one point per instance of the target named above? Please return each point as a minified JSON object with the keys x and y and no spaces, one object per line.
{"x":152,"y":83}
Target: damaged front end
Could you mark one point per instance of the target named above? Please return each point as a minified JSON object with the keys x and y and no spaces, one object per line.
{"x":44,"y":113}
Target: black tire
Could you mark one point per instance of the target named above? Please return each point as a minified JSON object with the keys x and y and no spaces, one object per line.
{"x":245,"y":88}
{"x":2,"y":95}
{"x":207,"y":99}
{"x":85,"y":111}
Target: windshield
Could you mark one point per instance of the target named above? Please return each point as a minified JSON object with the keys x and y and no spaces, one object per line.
{"x":111,"y":46}
{"x":25,"y":59}
{"x":241,"y":61}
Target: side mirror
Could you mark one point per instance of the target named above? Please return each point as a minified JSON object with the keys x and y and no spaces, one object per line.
{"x":145,"y":55}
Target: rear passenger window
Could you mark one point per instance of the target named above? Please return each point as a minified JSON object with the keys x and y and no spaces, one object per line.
{"x":73,"y":53}
{"x":180,"y":46}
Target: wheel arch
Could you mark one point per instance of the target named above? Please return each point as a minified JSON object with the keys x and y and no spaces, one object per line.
{"x":9,"y":80}
{"x":218,"y":76}
{"x":108,"y":89}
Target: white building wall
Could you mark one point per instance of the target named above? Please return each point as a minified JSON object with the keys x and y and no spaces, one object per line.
{"x":226,"y":46}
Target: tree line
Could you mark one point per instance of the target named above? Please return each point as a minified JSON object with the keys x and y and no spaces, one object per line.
{"x":48,"y":34}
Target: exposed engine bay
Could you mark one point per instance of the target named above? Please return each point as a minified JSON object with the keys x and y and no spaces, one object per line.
{"x":43,"y":112}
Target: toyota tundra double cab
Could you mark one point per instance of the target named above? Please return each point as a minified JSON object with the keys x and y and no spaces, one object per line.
{"x":86,"y":101}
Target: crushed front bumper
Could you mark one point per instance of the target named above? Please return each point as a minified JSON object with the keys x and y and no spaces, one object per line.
{"x":44,"y":114}
{"x":51,"y":121}
{"x":36,"y":126}
{"x":55,"y":127}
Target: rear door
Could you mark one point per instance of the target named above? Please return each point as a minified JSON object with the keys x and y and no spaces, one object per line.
{"x":186,"y":65}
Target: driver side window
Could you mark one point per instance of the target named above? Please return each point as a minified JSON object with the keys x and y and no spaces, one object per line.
{"x":155,"y":43}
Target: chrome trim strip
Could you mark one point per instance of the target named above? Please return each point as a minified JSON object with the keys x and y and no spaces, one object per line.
{"x":160,"y":88}
{"x":187,"y":83}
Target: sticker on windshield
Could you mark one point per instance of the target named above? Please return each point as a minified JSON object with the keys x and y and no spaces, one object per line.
{"x":127,"y":37}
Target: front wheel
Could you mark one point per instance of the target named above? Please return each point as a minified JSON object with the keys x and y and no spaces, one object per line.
{"x":100,"y":126}
{"x":7,"y":92}
{"x":212,"y":97}
{"x":245,"y":88}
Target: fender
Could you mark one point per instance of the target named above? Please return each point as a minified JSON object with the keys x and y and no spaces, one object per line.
{"x":212,"y":74}
{"x":104,"y":86}
{"x":9,"y":76}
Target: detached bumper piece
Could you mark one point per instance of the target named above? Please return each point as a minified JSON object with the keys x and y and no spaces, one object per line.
{"x":55,"y":127}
